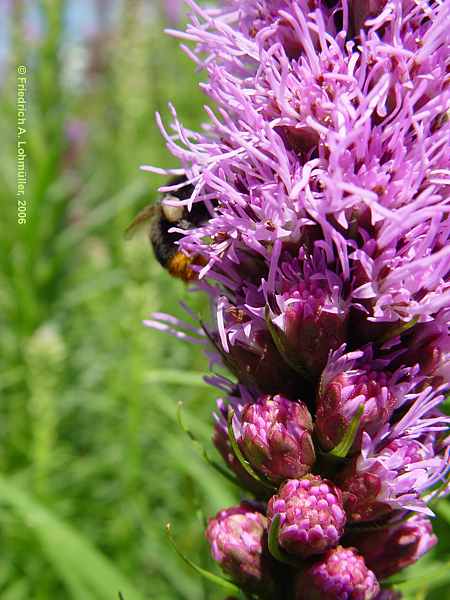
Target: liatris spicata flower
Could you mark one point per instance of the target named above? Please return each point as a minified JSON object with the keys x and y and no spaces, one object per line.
{"x":275,"y":437}
{"x":341,"y":574}
{"x":311,"y":514}
{"x":237,"y":537}
{"x":390,"y":549}
{"x":345,"y":387}
{"x":324,"y":171}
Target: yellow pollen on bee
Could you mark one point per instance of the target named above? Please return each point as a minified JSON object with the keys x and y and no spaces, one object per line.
{"x":179,"y":266}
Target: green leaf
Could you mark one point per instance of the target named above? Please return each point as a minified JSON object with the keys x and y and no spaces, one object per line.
{"x":81,"y":566}
{"x":220,"y":581}
{"x":202,"y":451}
{"x":443,"y":510}
{"x":432,"y":577}
{"x":175,"y":377}
{"x":398,"y":330}
{"x":445,"y":406}
{"x":274,"y":547}
{"x":237,"y":452}
{"x":343,"y":448}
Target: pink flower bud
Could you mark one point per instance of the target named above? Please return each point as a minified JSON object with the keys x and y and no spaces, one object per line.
{"x":341,"y":398}
{"x":312,"y":319}
{"x":312,"y":517}
{"x":275,"y":437}
{"x":238,"y":537}
{"x":341,"y":574}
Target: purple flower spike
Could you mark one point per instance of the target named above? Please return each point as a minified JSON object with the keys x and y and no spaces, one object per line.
{"x":387,"y":551}
{"x":312,"y":518}
{"x":343,"y":389}
{"x":237,"y":537}
{"x":323,"y":165}
{"x":340,"y":575}
{"x":275,"y":437}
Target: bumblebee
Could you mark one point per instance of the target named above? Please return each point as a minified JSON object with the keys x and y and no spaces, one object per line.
{"x":162,"y":218}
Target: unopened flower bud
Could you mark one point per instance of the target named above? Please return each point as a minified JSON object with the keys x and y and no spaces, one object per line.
{"x":312,"y":322}
{"x":389,"y":550}
{"x":221,"y":441}
{"x":339,"y":575}
{"x":340,"y":397}
{"x":312,"y":517}
{"x":238,"y":540}
{"x":275,"y":437}
{"x":254,"y":359}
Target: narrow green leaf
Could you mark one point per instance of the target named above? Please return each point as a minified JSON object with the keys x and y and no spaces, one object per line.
{"x":274,"y":547}
{"x":343,"y":448}
{"x":81,"y":566}
{"x":202,"y":451}
{"x":433,"y":577}
{"x":175,"y":377}
{"x":395,"y":331}
{"x":220,"y":581}
{"x":445,"y":406}
{"x":19,"y":590}
{"x":443,"y":510}
{"x":237,"y":452}
{"x":102,"y":214}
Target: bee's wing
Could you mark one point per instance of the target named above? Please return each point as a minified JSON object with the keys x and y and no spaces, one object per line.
{"x":146,"y":215}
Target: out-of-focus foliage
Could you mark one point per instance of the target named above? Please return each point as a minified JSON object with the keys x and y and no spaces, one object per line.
{"x":92,"y":461}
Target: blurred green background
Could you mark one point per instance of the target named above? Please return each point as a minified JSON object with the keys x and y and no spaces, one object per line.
{"x":92,"y":461}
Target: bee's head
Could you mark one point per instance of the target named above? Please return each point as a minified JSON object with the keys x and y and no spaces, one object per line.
{"x":171,"y":213}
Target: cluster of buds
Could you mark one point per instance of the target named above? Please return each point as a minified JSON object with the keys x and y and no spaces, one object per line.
{"x":325,"y":257}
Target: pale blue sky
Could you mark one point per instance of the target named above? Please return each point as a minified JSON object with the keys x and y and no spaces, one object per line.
{"x":81,"y":20}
